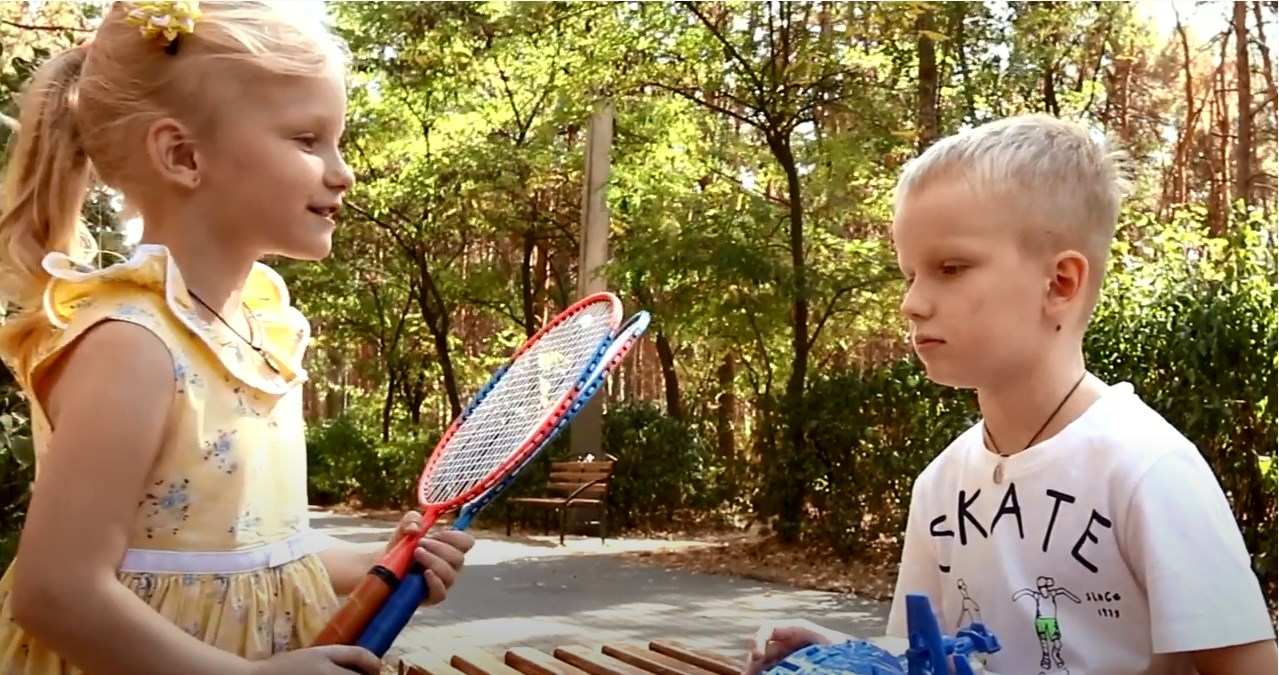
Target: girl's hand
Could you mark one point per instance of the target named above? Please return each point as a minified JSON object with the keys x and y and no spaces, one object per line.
{"x":326,"y":660}
{"x":442,"y":554}
{"x":776,"y":641}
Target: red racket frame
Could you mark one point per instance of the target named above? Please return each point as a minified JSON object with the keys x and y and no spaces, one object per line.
{"x":364,"y":602}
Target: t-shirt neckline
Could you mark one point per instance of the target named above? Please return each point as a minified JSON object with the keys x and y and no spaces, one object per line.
{"x":1048,"y":449}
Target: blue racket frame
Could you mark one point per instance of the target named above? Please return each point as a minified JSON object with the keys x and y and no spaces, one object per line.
{"x":399,"y":608}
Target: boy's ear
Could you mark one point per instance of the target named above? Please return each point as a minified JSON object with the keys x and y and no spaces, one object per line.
{"x":1069,"y":277}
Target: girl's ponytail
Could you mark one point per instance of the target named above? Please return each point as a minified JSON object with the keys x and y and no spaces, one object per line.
{"x":46,"y":182}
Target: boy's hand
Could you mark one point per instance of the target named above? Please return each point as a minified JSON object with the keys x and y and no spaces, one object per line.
{"x":776,"y":641}
{"x":442,"y":554}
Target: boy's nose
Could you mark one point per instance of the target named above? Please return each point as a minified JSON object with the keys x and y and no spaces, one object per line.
{"x":914,"y":304}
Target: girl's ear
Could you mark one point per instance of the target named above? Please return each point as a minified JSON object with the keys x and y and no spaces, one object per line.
{"x":171,"y":149}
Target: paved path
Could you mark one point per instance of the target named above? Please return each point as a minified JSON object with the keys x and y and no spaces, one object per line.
{"x":530,"y":591}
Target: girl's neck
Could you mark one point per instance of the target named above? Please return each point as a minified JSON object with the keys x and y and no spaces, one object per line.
{"x":215,"y":274}
{"x":1015,"y":412}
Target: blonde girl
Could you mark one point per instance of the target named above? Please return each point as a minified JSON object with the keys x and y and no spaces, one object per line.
{"x":168,"y":527}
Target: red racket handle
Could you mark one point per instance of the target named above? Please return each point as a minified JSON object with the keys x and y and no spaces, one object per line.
{"x":366,"y":600}
{"x":361,"y":606}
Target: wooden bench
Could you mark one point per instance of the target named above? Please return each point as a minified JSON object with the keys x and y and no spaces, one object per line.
{"x":663,"y":657}
{"x":572,"y":483}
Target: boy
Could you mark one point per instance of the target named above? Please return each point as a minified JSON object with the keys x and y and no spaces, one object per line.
{"x":1087,"y":533}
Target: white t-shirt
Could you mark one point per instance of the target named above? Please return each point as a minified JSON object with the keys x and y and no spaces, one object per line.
{"x":1106,"y":549}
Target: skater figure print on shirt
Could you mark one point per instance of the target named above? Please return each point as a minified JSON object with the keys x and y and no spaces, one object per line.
{"x":969,"y":612}
{"x":1047,"y":627}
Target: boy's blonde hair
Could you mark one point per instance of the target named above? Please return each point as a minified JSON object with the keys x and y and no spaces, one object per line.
{"x":1063,"y":186}
{"x":85,"y":115}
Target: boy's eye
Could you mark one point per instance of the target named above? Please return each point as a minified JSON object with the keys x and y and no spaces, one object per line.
{"x":306,"y":141}
{"x":950,"y":270}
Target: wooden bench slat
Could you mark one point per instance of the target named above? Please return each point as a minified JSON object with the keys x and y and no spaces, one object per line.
{"x":480,"y":662}
{"x":569,"y":488}
{"x":596,"y":663}
{"x":702,"y":658}
{"x":578,"y":476}
{"x":587,"y":483}
{"x":549,"y":501}
{"x":582,"y":466}
{"x":532,"y":662}
{"x":554,"y":501}
{"x":651,"y":661}
{"x":420,"y":663}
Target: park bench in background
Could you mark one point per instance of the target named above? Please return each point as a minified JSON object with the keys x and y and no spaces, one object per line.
{"x":663,"y":657}
{"x":573,"y":484}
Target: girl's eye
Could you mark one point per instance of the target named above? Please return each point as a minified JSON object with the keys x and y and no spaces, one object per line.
{"x":950,"y":270}
{"x":307,"y":142}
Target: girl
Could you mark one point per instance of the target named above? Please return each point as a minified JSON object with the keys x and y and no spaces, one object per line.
{"x":167,"y":531}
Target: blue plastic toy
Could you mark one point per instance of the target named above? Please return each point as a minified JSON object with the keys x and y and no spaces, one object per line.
{"x":929,"y":652}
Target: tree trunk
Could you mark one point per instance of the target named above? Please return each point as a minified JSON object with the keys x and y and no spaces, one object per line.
{"x":526,"y":281}
{"x":726,"y":414}
{"x":1243,"y":103}
{"x":670,"y":379}
{"x":1182,"y":158}
{"x":435,"y":316}
{"x":388,"y":402}
{"x":793,"y":486}
{"x":929,"y":84}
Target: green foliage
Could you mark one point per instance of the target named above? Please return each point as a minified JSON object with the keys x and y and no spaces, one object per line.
{"x":16,"y":465}
{"x":348,"y":464}
{"x":664,"y":466}
{"x":871,"y":431}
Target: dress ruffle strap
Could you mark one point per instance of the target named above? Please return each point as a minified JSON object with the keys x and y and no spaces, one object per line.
{"x":285,"y":331}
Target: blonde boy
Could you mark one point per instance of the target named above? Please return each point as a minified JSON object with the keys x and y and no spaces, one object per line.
{"x":1084,"y":529}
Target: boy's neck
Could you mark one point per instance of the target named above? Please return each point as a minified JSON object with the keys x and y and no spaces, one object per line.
{"x":1015,"y":412}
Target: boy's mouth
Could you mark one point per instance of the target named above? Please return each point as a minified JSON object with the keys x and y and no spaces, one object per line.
{"x":928,"y":341}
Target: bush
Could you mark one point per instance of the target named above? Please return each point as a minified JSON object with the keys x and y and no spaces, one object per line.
{"x":870,"y":432}
{"x":664,"y":466}
{"x":346,"y":466}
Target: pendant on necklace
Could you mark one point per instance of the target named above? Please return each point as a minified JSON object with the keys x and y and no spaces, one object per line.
{"x":999,"y":472}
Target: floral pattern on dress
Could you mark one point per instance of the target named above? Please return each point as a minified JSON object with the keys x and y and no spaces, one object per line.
{"x":248,"y":523}
{"x":221,"y":451}
{"x":186,"y":377}
{"x":169,"y":505}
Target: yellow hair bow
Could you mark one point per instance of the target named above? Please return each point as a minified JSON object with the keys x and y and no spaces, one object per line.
{"x":169,"y":19}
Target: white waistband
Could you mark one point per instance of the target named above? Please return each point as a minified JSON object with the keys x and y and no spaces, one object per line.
{"x":227,"y":562}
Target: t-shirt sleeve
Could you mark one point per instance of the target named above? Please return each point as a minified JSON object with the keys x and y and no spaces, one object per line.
{"x":1186,"y":550}
{"x":918,"y":572}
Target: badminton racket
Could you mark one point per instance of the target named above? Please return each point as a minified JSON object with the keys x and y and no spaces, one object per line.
{"x":399,"y":608}
{"x":505,"y":421}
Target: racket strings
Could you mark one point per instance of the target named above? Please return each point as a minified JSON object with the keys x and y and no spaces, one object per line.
{"x":520,"y":400}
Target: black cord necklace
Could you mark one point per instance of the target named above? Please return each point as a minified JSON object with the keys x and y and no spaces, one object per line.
{"x":266,"y":358}
{"x":999,"y":468}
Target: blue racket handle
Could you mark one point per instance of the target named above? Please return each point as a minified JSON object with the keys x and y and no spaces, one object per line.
{"x":395,"y":613}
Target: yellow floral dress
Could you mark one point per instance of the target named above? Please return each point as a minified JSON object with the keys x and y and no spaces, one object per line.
{"x":221,"y":544}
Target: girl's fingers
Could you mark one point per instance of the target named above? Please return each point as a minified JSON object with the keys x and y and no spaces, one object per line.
{"x":443,"y":569}
{"x":436,"y":589}
{"x":452,"y":556}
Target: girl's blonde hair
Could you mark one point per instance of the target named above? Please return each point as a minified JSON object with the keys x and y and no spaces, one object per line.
{"x":84,"y":117}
